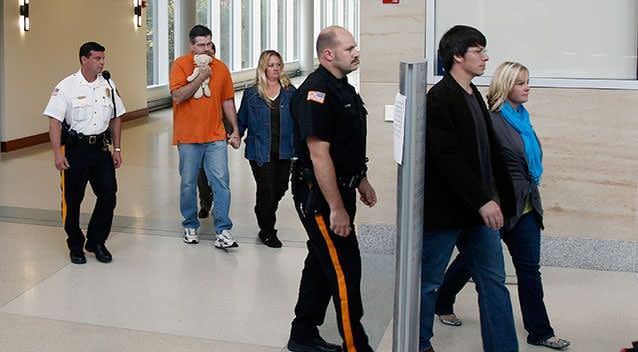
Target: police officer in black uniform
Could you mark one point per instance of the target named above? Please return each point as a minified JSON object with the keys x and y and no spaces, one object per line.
{"x":83,"y":112}
{"x":330,"y":142}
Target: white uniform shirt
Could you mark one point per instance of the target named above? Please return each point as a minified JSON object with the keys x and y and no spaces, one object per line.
{"x":86,"y":106}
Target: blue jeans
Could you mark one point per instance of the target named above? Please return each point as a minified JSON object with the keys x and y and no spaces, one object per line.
{"x":214,"y":157}
{"x":481,"y":247}
{"x":524,"y":244}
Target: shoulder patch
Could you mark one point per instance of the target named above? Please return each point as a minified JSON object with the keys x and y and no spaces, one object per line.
{"x":316,"y":96}
{"x":55,"y":92}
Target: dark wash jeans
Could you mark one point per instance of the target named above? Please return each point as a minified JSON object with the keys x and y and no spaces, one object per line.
{"x":483,"y":254}
{"x":524,"y":244}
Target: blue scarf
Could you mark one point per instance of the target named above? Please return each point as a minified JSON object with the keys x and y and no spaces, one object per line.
{"x":519,"y":120}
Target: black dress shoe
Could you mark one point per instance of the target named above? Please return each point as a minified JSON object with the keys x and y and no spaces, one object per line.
{"x":203,"y":213}
{"x":101,"y":253}
{"x":316,"y":344}
{"x":77,"y":257}
{"x":270,"y":239}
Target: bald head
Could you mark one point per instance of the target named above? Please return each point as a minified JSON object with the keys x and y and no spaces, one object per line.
{"x":337,"y":51}
{"x":329,"y":38}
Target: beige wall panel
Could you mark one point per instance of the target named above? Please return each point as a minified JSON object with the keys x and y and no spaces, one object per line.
{"x":389,"y":33}
{"x":36,"y":60}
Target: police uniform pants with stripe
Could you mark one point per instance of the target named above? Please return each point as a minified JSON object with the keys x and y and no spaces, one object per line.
{"x":88,"y":163}
{"x":332,"y":270}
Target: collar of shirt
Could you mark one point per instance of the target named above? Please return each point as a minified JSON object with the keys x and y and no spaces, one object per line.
{"x":83,"y":82}
{"x":338,"y":82}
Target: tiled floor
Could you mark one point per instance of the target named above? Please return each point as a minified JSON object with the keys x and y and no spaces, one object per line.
{"x":162,"y":295}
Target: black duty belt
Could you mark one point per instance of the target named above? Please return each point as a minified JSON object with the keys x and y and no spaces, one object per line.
{"x":348,"y":182}
{"x":90,"y":139}
{"x":352,"y":181}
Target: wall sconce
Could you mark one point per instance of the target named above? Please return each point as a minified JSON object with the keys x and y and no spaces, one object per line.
{"x":24,"y":14}
{"x":137,"y":10}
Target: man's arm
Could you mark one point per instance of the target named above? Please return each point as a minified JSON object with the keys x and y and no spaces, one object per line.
{"x":116,"y":130}
{"x":327,"y":179}
{"x":230,"y":113}
{"x":367,"y":193}
{"x":55,"y":133}
{"x":181,"y":94}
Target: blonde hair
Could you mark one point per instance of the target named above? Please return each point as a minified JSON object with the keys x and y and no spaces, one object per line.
{"x":502,"y":83}
{"x":262,"y":81}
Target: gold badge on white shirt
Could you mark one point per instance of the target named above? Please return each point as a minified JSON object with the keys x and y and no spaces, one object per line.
{"x":107,"y":92}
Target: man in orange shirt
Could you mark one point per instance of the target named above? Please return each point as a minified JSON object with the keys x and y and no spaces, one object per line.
{"x":198,"y":132}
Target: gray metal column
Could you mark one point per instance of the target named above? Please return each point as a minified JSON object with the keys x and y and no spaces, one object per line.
{"x":307,"y":36}
{"x":410,"y":183}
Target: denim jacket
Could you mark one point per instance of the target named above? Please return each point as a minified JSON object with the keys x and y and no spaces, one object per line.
{"x":254,"y":116}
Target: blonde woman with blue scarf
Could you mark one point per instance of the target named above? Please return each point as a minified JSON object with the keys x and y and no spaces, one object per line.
{"x":522,"y":154}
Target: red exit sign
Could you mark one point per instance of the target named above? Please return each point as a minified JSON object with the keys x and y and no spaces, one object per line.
{"x":390,"y":1}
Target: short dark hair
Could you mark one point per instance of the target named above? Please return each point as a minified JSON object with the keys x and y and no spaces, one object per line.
{"x":86,"y":48}
{"x":199,"y":31}
{"x":326,"y":39}
{"x":456,"y":41}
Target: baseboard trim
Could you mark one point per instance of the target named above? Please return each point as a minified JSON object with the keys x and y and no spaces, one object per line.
{"x":30,"y":141}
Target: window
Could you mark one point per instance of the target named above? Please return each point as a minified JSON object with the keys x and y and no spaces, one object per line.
{"x":323,"y":12}
{"x":595,"y":49}
{"x":171,"y":31}
{"x":296,"y":40}
{"x":224,"y":50}
{"x":242,"y":29}
{"x":203,"y":12}
{"x":282,"y":27}
{"x":161,"y":40}
{"x":246,"y":34}
{"x":151,"y":75}
{"x":265,"y":24}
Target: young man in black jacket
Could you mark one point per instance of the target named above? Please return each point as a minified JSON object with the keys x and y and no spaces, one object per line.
{"x":461,"y":191}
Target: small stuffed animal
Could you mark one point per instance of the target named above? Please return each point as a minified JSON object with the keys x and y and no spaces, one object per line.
{"x":200,"y":60}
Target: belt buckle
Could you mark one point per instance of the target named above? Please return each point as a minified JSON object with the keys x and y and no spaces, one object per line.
{"x":92,"y":139}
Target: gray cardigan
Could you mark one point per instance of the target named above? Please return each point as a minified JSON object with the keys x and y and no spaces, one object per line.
{"x":515,"y":161}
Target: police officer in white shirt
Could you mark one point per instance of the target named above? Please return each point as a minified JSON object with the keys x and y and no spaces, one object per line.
{"x":84,"y":121}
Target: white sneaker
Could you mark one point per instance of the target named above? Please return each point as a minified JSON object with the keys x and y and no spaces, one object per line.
{"x":225,"y":240}
{"x":190,"y":236}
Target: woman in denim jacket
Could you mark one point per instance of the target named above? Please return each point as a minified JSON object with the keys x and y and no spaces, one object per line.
{"x":265,"y":114}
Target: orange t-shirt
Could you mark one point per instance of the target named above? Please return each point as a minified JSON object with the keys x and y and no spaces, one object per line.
{"x":200,"y":120}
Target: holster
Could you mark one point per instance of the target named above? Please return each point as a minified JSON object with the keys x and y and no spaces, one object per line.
{"x":65,"y":133}
{"x":312,"y":200}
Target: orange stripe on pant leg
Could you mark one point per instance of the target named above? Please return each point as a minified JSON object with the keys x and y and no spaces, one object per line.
{"x":341,"y":281}
{"x":63,"y":202}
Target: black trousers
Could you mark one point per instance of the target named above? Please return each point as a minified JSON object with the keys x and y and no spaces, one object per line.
{"x":205,"y":192}
{"x":272,"y":182}
{"x":332,"y":270}
{"x":88,"y":164}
